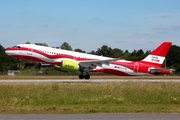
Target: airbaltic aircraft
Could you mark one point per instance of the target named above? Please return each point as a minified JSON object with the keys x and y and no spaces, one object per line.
{"x":71,"y":61}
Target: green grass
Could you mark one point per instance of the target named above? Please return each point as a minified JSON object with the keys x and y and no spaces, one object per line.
{"x":90,"y":98}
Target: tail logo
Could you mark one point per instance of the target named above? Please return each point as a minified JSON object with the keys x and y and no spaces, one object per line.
{"x":155,"y":59}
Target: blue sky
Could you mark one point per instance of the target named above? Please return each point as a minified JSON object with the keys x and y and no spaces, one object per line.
{"x":90,"y":24}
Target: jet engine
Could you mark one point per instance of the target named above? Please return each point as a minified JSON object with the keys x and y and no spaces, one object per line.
{"x":68,"y":66}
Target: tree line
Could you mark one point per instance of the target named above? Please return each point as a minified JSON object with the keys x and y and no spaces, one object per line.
{"x":172,"y":60}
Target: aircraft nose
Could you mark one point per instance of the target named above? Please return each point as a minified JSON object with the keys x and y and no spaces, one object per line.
{"x":8,"y":52}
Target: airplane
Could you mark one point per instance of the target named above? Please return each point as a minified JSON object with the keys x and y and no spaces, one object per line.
{"x":71,"y":61}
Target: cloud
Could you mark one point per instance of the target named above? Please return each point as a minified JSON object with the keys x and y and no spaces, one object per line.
{"x":75,"y":44}
{"x":150,"y":42}
{"x":45,"y":25}
{"x":57,"y":42}
{"x":121,"y":42}
{"x":75,"y":29}
{"x":106,"y":43}
{"x":137,"y":34}
{"x":164,"y":16}
{"x":98,"y":19}
{"x":4,"y":26}
{"x":162,"y":32}
{"x":141,"y":34}
{"x":159,"y":16}
{"x":137,"y":44}
{"x":4,"y":41}
{"x":176,"y":28}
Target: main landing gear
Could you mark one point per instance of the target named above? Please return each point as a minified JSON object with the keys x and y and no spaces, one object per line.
{"x":82,"y":76}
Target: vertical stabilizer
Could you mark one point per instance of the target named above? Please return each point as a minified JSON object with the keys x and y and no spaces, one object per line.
{"x":158,"y":55}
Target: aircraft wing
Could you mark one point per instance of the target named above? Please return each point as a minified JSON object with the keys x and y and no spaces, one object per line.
{"x":94,"y":63}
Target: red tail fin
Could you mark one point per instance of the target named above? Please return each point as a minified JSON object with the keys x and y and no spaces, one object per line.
{"x":162,"y":50}
{"x":158,"y":55}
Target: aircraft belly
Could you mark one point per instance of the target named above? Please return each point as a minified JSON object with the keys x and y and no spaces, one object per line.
{"x":121,"y":70}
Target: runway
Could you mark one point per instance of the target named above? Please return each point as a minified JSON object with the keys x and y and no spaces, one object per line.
{"x":90,"y":81}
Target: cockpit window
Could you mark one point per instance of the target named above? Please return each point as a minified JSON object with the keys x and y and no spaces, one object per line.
{"x":17,"y":47}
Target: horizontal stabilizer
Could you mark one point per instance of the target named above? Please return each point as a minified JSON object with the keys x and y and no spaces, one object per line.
{"x":160,"y":71}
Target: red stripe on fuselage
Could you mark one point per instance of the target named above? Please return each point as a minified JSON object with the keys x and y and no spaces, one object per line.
{"x":29,"y":58}
{"x":50,"y":56}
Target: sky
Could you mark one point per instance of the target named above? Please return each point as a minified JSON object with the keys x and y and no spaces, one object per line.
{"x":90,"y":24}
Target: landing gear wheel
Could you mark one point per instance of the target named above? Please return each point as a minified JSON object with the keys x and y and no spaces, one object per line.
{"x":81,"y":76}
{"x":87,"y":76}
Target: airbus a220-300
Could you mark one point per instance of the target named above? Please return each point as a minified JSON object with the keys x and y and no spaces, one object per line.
{"x":71,"y":61}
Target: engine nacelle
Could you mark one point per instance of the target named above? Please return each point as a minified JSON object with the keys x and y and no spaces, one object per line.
{"x":68,"y":66}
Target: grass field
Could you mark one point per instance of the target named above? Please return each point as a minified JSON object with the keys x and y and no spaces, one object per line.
{"x":126,"y":97}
